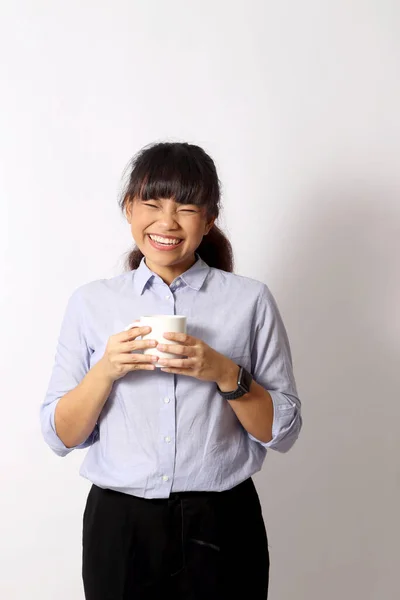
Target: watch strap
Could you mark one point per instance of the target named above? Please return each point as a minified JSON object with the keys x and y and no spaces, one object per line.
{"x":244,"y":383}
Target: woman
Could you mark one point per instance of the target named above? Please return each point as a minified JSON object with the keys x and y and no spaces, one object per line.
{"x":173,"y":511}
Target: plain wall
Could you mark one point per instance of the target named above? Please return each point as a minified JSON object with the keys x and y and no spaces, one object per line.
{"x":298,"y":103}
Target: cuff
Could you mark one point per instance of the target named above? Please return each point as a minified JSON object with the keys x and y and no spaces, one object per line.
{"x":50,"y":433}
{"x":286,"y":424}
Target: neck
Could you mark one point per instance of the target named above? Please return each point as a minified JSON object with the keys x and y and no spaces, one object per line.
{"x":170,"y":272}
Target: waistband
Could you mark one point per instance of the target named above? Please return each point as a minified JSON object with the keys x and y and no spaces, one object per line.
{"x":245,"y":488}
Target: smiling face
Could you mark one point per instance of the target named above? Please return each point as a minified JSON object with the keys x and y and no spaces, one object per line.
{"x":167,"y":233}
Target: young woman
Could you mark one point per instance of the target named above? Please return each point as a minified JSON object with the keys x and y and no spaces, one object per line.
{"x":173,"y":511}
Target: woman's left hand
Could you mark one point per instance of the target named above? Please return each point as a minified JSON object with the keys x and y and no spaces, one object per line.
{"x":202,"y":362}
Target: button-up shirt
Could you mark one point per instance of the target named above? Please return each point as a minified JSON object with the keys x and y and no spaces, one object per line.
{"x":160,"y":432}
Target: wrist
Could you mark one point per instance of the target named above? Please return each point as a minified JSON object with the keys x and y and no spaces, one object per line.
{"x":228,"y":381}
{"x":100,"y":368}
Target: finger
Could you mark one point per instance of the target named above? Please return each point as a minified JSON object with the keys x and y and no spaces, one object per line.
{"x":133,"y":324}
{"x":131,"y":346}
{"x":133,"y":333}
{"x":187,"y":372}
{"x":177,"y":363}
{"x":177,"y":349}
{"x":128,"y":359}
{"x":141,"y":367}
{"x":184,"y":338}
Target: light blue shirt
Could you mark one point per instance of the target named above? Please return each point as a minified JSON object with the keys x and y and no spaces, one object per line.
{"x":158,"y":432}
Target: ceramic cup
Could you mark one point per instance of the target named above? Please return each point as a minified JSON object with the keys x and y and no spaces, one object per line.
{"x":161,"y":324}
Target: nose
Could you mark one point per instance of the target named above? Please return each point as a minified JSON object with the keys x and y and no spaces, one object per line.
{"x":168,"y":222}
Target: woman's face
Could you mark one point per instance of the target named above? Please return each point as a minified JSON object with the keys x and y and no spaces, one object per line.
{"x":167,"y":233}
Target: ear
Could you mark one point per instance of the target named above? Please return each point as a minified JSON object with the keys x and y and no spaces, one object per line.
{"x":128,"y":210}
{"x":209,"y":225}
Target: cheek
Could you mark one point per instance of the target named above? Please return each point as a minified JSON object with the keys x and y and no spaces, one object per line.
{"x":137,"y":232}
{"x":138,"y":223}
{"x":196,"y":230}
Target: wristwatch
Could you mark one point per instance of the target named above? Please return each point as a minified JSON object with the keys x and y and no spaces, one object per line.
{"x":244,"y":382}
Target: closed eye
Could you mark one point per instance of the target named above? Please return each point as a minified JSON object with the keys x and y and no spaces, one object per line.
{"x":187,"y":210}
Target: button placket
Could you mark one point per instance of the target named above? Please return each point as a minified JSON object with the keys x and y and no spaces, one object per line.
{"x":167,"y":413}
{"x":166,"y":448}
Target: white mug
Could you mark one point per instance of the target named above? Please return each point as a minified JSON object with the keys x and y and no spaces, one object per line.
{"x":161,"y":324}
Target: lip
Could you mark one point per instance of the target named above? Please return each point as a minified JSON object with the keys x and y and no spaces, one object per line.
{"x":161,"y":247}
{"x":171,"y":237}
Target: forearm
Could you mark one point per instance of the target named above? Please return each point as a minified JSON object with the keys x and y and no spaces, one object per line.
{"x":254,"y":410}
{"x":77,"y":412}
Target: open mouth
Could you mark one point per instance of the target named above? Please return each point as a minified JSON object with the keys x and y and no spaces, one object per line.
{"x":164,"y":243}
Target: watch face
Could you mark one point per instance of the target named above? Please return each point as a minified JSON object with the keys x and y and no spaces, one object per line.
{"x":245,"y":380}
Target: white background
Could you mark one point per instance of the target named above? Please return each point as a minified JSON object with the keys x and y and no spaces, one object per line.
{"x":298,"y":103}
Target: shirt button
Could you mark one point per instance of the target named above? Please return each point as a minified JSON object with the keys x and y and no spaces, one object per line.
{"x":165,"y":477}
{"x":167,"y":297}
{"x":167,"y":400}
{"x":167,"y":439}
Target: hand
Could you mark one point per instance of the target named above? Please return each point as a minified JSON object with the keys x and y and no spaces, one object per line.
{"x":203,"y":362}
{"x":118,"y":359}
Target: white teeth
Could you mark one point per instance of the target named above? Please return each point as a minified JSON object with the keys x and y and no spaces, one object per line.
{"x":165,"y":241}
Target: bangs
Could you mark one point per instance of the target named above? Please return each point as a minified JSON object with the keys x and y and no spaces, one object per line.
{"x":174,"y":171}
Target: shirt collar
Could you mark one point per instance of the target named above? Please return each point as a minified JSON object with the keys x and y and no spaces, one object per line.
{"x":193,"y":277}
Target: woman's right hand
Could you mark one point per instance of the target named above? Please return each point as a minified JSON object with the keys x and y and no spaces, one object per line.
{"x":118,"y":359}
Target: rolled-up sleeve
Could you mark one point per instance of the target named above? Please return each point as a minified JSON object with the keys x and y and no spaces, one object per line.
{"x":70,"y":366}
{"x":272,"y":368}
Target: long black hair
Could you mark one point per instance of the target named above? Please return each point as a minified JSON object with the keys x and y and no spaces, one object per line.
{"x":187,"y":174}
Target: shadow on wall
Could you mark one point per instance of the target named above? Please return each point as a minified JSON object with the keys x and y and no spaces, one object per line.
{"x":331,"y":504}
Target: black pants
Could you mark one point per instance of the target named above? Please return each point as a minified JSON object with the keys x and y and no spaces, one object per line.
{"x":190,"y":546}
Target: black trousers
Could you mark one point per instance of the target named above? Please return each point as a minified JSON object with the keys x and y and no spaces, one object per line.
{"x":191,"y":546}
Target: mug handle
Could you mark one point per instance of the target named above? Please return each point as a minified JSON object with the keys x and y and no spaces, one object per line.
{"x":131,"y":325}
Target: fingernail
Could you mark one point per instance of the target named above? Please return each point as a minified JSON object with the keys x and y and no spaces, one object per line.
{"x":154,"y":358}
{"x":160,"y":347}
